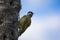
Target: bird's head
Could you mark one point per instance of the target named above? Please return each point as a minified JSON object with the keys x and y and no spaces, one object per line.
{"x":30,"y":13}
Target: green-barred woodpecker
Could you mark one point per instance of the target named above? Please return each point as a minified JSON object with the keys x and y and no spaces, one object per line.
{"x":25,"y":22}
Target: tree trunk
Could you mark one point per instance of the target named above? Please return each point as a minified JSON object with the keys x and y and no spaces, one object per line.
{"x":9,"y":11}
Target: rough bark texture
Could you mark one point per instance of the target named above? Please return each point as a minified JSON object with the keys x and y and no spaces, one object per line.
{"x":9,"y":11}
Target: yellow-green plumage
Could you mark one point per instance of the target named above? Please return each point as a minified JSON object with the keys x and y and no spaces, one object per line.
{"x":24,"y":23}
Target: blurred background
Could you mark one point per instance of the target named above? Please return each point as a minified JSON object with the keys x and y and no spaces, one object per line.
{"x":45,"y":21}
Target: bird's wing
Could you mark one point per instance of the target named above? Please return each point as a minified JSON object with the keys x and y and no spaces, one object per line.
{"x":24,"y":23}
{"x":22,"y":20}
{"x":27,"y":22}
{"x":21,"y":23}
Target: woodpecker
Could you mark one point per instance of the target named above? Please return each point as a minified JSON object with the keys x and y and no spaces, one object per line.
{"x":25,"y":22}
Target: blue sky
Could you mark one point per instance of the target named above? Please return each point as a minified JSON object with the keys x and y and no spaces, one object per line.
{"x":45,"y":22}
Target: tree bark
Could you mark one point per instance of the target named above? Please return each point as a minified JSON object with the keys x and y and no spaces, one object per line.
{"x":9,"y":12}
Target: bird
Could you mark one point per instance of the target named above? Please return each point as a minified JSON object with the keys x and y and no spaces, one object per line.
{"x":25,"y":22}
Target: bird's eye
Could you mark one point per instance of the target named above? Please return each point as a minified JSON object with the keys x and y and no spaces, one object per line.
{"x":29,"y":13}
